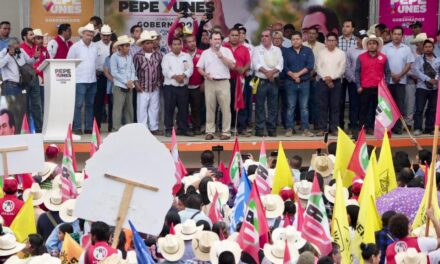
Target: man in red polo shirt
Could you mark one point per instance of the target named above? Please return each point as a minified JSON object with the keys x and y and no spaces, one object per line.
{"x":33,"y":89}
{"x":243,"y":61}
{"x":10,"y":205}
{"x":371,"y":67}
{"x":194,"y":84}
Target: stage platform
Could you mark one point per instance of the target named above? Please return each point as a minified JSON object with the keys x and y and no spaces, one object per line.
{"x":296,"y":142}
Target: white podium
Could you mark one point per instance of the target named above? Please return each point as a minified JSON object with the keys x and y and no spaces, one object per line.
{"x":59,"y":97}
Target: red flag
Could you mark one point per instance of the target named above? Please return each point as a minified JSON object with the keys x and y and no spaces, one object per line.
{"x":387,"y":112}
{"x":26,"y":181}
{"x":287,"y":221}
{"x":264,"y":225}
{"x":437,"y":113}
{"x":71,"y":148}
{"x":180,"y":168}
{"x":359,"y":159}
{"x":235,"y":164}
{"x":300,"y":215}
{"x":68,"y":183}
{"x":239,"y":88}
{"x":287,"y":259}
{"x":215,"y":211}
{"x":172,"y":231}
{"x":316,"y":229}
{"x":226,"y":179}
{"x":96,"y":139}
{"x":263,"y":185}
{"x":25,"y":126}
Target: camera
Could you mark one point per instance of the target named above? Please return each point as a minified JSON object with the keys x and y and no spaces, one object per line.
{"x":17,"y":51}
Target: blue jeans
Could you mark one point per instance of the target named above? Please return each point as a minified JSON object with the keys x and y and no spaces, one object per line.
{"x":354,"y":103}
{"x":34,"y":104}
{"x":16,"y":101}
{"x":85,"y":94}
{"x":298,"y":91}
{"x":245,"y":114}
{"x":313,"y":110}
{"x":283,"y":100}
{"x":266,"y":91}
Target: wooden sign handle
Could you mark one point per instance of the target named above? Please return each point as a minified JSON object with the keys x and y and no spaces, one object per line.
{"x":4,"y":152}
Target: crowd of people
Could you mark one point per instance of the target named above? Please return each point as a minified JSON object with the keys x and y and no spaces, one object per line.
{"x":224,"y":83}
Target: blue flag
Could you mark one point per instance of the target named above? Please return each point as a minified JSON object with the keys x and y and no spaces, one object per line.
{"x":142,"y":252}
{"x":31,"y":125}
{"x":241,"y":199}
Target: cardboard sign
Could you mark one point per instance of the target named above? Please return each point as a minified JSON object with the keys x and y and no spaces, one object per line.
{"x":30,"y":160}
{"x":134,"y":155}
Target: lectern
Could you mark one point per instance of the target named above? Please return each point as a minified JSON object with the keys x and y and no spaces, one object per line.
{"x":59,"y":97}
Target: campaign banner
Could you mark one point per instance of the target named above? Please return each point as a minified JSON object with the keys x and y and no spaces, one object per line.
{"x":48,"y":14}
{"x":403,"y":12}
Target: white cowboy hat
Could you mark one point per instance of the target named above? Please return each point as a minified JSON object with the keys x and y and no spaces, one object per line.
{"x":219,"y":247}
{"x":420,"y":232}
{"x":352,"y":202}
{"x":202,"y":244}
{"x":39,"y":33}
{"x":274,"y":205}
{"x":154,"y":34}
{"x":171,"y":247}
{"x":222,"y":189}
{"x":49,"y":168}
{"x":114,"y":259}
{"x":419,"y":38}
{"x":131,"y":257}
{"x":89,"y":27}
{"x":303,"y":189}
{"x":66,"y":211}
{"x":233,"y":236}
{"x":56,"y":182}
{"x":379,"y":41}
{"x":124,"y":39}
{"x":16,"y":260}
{"x":44,"y":259}
{"x":79,"y":178}
{"x":322,"y":165}
{"x":53,"y":200}
{"x":9,"y":245}
{"x":275,"y":252}
{"x":290,"y":233}
{"x":188,"y":229}
{"x":330,"y":193}
{"x":38,"y":194}
{"x":106,"y":30}
{"x":411,"y":256}
{"x":145,"y":36}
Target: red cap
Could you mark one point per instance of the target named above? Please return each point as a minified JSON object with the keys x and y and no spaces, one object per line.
{"x":356,"y":185}
{"x":52,"y":151}
{"x":287,"y":194}
{"x":10,"y":185}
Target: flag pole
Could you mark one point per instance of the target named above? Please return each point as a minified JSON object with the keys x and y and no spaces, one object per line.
{"x":409,"y":133}
{"x":432,"y":174}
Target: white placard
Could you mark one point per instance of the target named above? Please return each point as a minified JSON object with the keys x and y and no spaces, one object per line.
{"x":26,"y":161}
{"x":134,"y":154}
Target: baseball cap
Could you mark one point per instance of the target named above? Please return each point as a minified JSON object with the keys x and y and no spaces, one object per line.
{"x":10,"y":185}
{"x":52,"y":151}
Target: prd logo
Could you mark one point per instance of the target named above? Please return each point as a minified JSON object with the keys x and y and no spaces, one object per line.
{"x":363,"y":157}
{"x":8,"y":206}
{"x":100,"y":253}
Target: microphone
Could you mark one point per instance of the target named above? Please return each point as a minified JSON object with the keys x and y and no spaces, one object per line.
{"x":217,"y":46}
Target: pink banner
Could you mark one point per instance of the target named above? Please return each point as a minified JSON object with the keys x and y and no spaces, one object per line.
{"x":404,"y":12}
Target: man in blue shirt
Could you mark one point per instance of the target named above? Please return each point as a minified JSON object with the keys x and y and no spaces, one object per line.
{"x":5,"y":30}
{"x":437,"y":45}
{"x":298,"y":64}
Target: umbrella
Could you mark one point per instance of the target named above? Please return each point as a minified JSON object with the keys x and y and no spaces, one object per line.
{"x":402,"y":200}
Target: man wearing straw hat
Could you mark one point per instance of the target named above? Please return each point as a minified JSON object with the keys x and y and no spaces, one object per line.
{"x":87,"y":52}
{"x":124,"y":77}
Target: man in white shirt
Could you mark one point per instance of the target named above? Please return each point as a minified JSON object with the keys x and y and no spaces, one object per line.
{"x":330,"y":67}
{"x":59,"y":46}
{"x":103,"y":47}
{"x":177,"y":67}
{"x":400,"y":59}
{"x":11,"y":89}
{"x":267,"y":60}
{"x":214,"y":65}
{"x":86,"y":51}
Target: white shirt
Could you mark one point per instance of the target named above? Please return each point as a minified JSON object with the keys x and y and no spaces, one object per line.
{"x":86,"y":70}
{"x":287,"y":43}
{"x":103,"y":52}
{"x":9,"y":67}
{"x":173,"y":64}
{"x":52,"y":47}
{"x":211,"y":64}
{"x":331,"y":63}
{"x":251,"y":49}
{"x":398,"y":57}
{"x":268,"y":59}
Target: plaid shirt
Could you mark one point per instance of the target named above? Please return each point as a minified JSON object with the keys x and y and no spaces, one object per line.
{"x":345,"y":44}
{"x":149,"y":71}
{"x":383,"y":239}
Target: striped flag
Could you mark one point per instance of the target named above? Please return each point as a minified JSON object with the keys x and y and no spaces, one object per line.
{"x":235,"y":164}
{"x":180,"y":168}
{"x":96,"y":139}
{"x":359,"y":159}
{"x":68,"y":181}
{"x":387,"y":112}
{"x":71,"y":148}
{"x":262,"y":184}
{"x":262,"y":172}
{"x":215,"y":211}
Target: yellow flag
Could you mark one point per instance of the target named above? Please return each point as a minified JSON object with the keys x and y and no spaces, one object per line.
{"x":385,"y":169}
{"x":24,"y":223}
{"x":71,"y":251}
{"x":421,"y":217}
{"x":283,"y":173}
{"x":340,"y":229}
{"x":343,"y":155}
{"x":369,"y":220}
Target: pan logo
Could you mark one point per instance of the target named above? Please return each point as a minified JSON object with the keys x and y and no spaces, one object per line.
{"x":62,"y":6}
